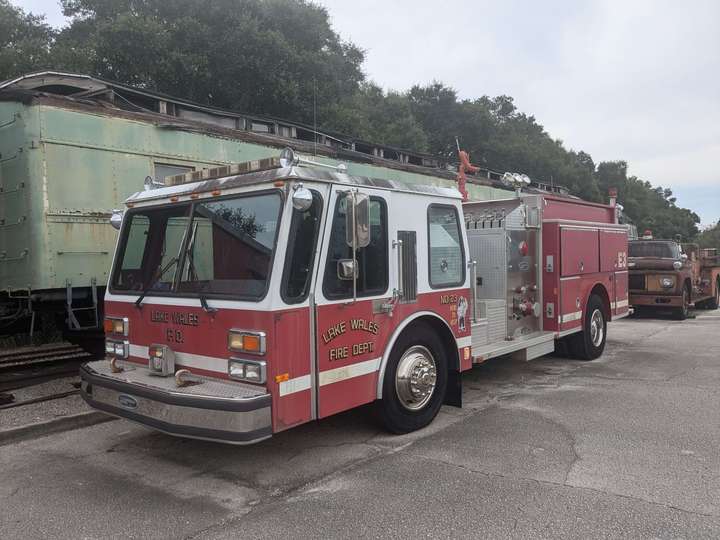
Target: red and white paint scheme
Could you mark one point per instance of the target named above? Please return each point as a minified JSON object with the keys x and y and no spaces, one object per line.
{"x":267,"y":295}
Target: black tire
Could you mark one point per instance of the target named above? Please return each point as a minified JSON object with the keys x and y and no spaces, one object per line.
{"x":714,"y":302}
{"x":588,"y":344}
{"x":397,"y":413}
{"x":681,"y":313}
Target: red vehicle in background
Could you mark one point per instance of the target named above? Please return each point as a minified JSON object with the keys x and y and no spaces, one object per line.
{"x":667,"y":275}
{"x":275,"y":293}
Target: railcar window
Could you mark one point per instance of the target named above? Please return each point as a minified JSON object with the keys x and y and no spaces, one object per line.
{"x":446,"y":259}
{"x":301,"y":251}
{"x":163,"y":170}
{"x":372,"y":260}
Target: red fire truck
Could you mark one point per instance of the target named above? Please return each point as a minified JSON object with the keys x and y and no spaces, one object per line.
{"x":254,"y":298}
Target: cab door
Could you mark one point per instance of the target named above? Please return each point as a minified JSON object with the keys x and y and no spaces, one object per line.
{"x":352,"y":313}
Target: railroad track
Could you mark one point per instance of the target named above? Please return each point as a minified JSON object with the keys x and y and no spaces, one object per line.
{"x":27,"y":366}
{"x":22,"y":357}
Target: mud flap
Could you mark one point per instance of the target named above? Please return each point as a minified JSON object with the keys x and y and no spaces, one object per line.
{"x":453,"y":393}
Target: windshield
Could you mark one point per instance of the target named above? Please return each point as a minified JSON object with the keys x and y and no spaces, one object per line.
{"x":217,"y":247}
{"x":656,"y":250}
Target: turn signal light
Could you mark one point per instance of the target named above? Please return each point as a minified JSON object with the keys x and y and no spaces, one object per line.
{"x":246,"y":342}
{"x":116,"y":325}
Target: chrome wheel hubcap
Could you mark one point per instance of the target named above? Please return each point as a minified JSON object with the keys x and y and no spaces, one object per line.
{"x":415,"y":378}
{"x":597,"y":328}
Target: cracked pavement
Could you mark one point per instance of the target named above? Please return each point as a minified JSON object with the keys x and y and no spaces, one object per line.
{"x":625,"y":446}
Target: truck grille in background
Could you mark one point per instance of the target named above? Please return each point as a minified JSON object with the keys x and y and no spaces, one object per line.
{"x":637,"y":282}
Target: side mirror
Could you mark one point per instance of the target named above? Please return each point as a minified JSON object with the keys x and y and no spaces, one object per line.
{"x":357,"y":220}
{"x":684,"y":257}
{"x":116,"y":219}
{"x":346,"y":269}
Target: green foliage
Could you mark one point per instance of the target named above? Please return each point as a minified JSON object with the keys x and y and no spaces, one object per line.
{"x":25,"y":41}
{"x":373,"y":115}
{"x":710,"y":237}
{"x":282,"y":58}
{"x":500,"y":137}
{"x":249,"y":55}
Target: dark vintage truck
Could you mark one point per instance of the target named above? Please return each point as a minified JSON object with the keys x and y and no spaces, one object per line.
{"x":666,"y":275}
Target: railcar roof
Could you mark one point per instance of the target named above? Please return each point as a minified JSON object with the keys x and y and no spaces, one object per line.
{"x":298,"y":172}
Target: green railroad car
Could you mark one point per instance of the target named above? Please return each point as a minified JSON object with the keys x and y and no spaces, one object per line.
{"x":73,"y":148}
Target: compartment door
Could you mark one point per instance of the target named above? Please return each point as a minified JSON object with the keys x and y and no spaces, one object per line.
{"x":579,"y":251}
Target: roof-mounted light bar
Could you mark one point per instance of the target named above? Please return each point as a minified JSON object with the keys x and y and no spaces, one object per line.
{"x":255,"y":165}
{"x":287,"y":158}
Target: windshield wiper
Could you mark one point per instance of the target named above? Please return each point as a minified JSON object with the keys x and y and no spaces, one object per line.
{"x":171,"y":262}
{"x":204,"y":304}
{"x":193,"y":275}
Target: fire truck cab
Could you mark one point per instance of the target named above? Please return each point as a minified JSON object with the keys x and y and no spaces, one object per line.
{"x":250,"y":299}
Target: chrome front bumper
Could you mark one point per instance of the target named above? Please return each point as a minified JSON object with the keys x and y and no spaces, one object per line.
{"x":213,"y":410}
{"x":655,"y":300}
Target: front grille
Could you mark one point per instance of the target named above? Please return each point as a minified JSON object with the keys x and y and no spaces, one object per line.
{"x":637,"y":282}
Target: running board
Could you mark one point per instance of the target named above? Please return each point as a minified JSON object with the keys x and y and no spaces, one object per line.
{"x":526,"y":348}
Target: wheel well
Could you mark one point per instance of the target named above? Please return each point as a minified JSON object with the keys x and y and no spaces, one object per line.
{"x":453,"y":394}
{"x":600,"y":291}
{"x":445,"y":335}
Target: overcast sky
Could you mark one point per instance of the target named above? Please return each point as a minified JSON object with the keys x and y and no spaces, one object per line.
{"x":637,"y":80}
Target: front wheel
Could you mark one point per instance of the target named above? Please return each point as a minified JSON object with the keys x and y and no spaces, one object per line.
{"x":415,"y":381}
{"x":682,"y":312}
{"x":590,"y":343}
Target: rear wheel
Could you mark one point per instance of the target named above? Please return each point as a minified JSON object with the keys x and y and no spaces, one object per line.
{"x":590,"y":343}
{"x":682,"y":312}
{"x":415,"y":381}
{"x":714,"y":302}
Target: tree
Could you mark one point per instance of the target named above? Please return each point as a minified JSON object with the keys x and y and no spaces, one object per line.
{"x":282,"y":58}
{"x":273,"y":57}
{"x":374,"y":115}
{"x":25,"y":42}
{"x":710,"y":237}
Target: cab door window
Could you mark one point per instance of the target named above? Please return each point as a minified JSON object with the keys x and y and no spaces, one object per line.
{"x":372,"y":261}
{"x":446,"y":258}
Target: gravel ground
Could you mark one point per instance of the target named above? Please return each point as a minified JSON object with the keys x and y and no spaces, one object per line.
{"x":46,"y":410}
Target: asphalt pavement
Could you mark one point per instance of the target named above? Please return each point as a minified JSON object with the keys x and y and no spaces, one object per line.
{"x":622,"y":447}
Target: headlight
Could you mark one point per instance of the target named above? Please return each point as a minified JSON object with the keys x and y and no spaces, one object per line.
{"x":253,"y":371}
{"x":116,"y":325}
{"x":667,"y":283}
{"x":161,"y":360}
{"x":118,"y":349}
{"x":246,"y":341}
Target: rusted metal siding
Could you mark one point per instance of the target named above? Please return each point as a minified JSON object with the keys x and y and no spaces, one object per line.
{"x":63,"y":171}
{"x":21,"y":240}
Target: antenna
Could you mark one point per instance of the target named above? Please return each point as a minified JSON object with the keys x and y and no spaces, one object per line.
{"x":315,"y":115}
